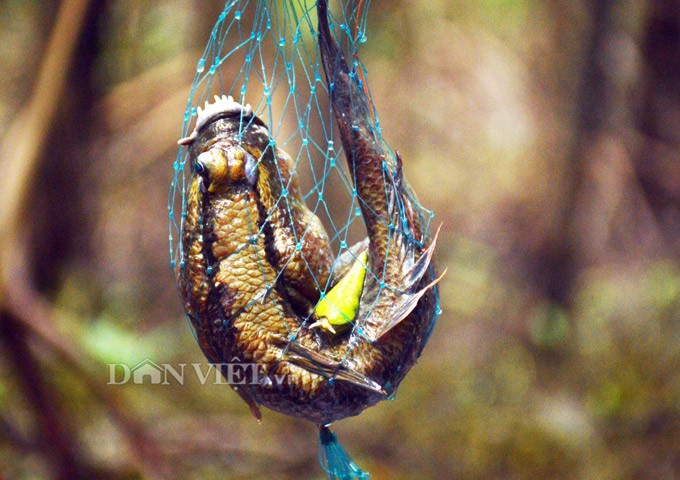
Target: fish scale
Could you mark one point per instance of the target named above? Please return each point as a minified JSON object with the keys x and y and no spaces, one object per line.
{"x":255,"y":260}
{"x":249,"y":238}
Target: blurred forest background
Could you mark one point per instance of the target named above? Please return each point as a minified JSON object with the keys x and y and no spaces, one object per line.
{"x":544,"y":134}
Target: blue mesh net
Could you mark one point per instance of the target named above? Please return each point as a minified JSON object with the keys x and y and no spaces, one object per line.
{"x":266,"y":53}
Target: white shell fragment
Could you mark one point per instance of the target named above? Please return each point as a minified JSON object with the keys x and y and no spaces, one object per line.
{"x":224,"y":105}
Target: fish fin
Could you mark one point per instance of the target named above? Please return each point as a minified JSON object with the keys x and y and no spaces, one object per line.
{"x":404,"y":307}
{"x":398,"y":177}
{"x":407,"y":299}
{"x":415,"y":274}
{"x":402,"y":188}
{"x":319,"y":364}
{"x":328,"y":47}
{"x":250,"y":401}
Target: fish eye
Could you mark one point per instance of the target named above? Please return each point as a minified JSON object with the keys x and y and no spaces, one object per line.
{"x":211,"y":165}
{"x":206,"y":163}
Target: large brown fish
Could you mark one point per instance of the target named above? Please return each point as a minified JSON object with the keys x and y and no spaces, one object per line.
{"x":256,"y":261}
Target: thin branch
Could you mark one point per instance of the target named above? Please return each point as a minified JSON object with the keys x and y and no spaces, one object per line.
{"x":21,"y":150}
{"x":24,"y":313}
{"x":24,"y":140}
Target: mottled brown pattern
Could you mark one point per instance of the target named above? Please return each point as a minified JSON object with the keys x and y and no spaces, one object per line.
{"x":304,"y":268}
{"x":196,"y":288}
{"x":257,"y":244}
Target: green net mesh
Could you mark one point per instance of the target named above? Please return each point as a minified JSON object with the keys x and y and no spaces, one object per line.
{"x":265,"y":54}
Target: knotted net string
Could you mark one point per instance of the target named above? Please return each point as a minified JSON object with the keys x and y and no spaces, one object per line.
{"x":265,"y":53}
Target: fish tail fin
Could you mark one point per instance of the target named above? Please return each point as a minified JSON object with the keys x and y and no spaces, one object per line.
{"x":334,"y":459}
{"x":326,"y":44}
{"x":317,"y":363}
{"x":344,"y":92}
{"x":331,"y":57}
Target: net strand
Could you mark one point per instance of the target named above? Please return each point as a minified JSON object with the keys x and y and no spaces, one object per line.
{"x":265,"y":53}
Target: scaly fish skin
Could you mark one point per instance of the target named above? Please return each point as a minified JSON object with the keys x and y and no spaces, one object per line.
{"x":244,"y":277}
{"x":399,"y":255}
{"x":232,"y":282}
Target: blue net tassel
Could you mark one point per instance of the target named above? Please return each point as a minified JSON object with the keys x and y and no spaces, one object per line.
{"x":334,"y":459}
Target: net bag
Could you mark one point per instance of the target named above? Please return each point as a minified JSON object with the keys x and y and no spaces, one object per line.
{"x":303,"y":258}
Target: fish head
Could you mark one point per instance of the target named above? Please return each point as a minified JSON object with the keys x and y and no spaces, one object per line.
{"x":225,"y":165}
{"x":226,"y":145}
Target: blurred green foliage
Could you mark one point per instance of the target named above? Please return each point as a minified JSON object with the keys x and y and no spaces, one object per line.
{"x":480,"y":99}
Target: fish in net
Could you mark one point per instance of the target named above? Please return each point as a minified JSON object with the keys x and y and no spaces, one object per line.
{"x":282,"y":169}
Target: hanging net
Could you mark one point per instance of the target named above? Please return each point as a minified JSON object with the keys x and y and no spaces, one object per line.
{"x":340,"y":318}
{"x":265,"y":53}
